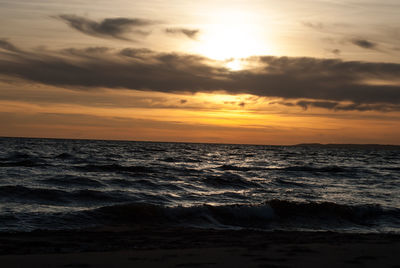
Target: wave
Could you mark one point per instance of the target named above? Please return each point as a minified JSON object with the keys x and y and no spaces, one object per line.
{"x":65,"y":156}
{"x":170,"y":160}
{"x":115,"y":168}
{"x":281,"y":212}
{"x":22,"y":163}
{"x":392,"y":168}
{"x":273,"y":213}
{"x":99,"y":196}
{"x":19,"y":159}
{"x":180,"y":160}
{"x":228,"y":180}
{"x":120,"y":182}
{"x":330,"y":169}
{"x":236,"y":168}
{"x":359,"y":214}
{"x":305,"y":168}
{"x":22,"y":194}
{"x":19,"y":156}
{"x":19,"y":193}
{"x":291,"y":183}
{"x":205,"y":215}
{"x":72,"y":181}
{"x":141,"y":183}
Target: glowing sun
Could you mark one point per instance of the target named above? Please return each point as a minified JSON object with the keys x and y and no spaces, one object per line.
{"x":232,"y":38}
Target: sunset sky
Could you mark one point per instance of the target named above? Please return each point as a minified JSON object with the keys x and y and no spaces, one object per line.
{"x":254,"y":72}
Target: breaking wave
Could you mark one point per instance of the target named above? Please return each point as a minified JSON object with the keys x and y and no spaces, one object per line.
{"x":266,"y":215}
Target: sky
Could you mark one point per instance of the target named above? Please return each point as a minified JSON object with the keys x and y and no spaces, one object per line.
{"x":252,"y":72}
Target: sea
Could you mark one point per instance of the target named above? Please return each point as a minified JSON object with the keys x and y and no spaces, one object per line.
{"x":60,"y":184}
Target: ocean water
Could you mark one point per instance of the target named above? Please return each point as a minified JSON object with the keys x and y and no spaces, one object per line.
{"x":69,"y":184}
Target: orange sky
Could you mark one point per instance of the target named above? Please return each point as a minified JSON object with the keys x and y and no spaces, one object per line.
{"x":254,"y":72}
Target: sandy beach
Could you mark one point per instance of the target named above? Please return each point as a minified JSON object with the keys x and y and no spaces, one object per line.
{"x":197,"y":248}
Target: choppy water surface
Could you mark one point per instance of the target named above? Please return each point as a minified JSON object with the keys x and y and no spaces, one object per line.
{"x":63,"y":184}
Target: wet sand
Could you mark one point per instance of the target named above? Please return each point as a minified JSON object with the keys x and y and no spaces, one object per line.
{"x":186,"y":247}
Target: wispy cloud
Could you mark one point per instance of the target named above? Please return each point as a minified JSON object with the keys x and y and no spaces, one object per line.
{"x":107,"y":28}
{"x":345,"y":34}
{"x":190,"y":33}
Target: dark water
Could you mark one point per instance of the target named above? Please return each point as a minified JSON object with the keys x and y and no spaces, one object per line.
{"x":64,"y":184}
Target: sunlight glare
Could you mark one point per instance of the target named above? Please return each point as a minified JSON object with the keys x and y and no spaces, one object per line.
{"x":232,"y":37}
{"x":234,"y":64}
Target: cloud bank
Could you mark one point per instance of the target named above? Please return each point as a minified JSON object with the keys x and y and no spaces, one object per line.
{"x":328,"y":82}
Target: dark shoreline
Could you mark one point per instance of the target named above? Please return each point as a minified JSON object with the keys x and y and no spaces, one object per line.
{"x":191,"y":247}
{"x":123,"y":238}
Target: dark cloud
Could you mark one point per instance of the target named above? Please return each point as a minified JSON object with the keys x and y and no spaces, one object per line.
{"x":289,"y":104}
{"x":338,"y":106}
{"x":314,"y":25}
{"x":86,"y":52}
{"x":6,"y":45}
{"x":367,"y":107}
{"x":326,"y":27}
{"x":319,"y":104}
{"x":190,"y":33}
{"x":336,"y":51}
{"x":365,"y":44}
{"x":136,"y":52}
{"x":108,"y":28}
{"x":324,"y":80}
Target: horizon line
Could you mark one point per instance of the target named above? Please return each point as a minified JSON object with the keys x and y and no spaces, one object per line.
{"x":216,"y":143}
